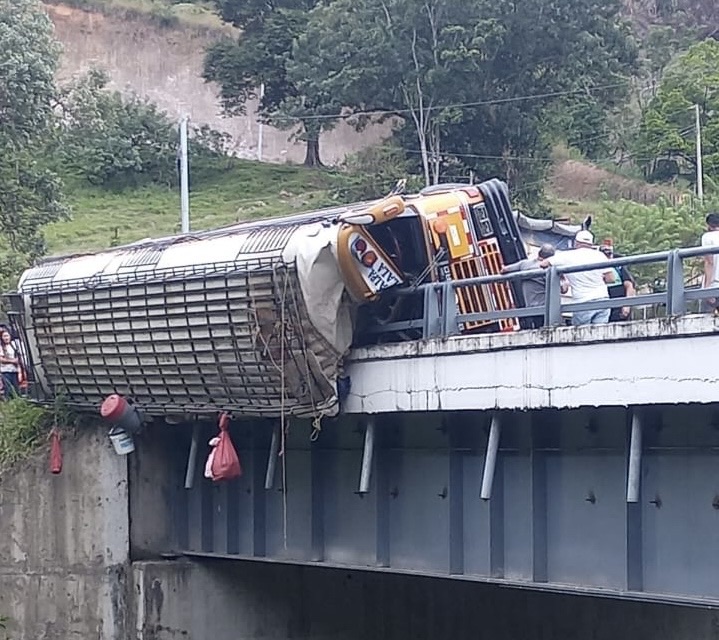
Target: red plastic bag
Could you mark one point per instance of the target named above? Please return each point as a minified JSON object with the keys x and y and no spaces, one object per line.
{"x":55,"y":452}
{"x":225,"y":464}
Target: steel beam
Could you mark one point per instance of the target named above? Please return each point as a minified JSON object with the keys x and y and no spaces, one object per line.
{"x":456,"y":497}
{"x":259,"y":497}
{"x":192,"y":457}
{"x":490,"y":458}
{"x":538,"y":497}
{"x":496,"y":525}
{"x":382,"y":523}
{"x":317,"y":502}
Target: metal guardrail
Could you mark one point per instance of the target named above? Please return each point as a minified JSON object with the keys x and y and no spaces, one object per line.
{"x":441,"y":316}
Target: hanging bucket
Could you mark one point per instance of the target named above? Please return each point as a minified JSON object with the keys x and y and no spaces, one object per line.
{"x":117,"y":410}
{"x":122,"y":441}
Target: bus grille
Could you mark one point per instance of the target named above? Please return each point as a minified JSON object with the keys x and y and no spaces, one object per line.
{"x":487,"y":297}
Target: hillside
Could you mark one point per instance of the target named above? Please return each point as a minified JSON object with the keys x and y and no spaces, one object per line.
{"x":155,"y":49}
{"x":237,"y":190}
{"x":195,"y":14}
{"x":240,"y":190}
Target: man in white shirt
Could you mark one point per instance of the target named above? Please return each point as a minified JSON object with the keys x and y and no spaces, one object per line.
{"x":711,"y":263}
{"x":585,"y":286}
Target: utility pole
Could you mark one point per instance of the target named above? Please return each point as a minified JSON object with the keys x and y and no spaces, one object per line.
{"x":700,"y":166}
{"x":184,"y":179}
{"x":260,"y":129}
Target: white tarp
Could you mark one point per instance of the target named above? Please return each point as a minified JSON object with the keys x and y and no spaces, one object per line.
{"x":313,"y":250}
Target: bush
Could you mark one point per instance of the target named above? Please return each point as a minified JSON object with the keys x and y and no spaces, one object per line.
{"x":22,"y":427}
{"x":118,"y":142}
{"x":637,"y":228}
{"x":374,"y":171}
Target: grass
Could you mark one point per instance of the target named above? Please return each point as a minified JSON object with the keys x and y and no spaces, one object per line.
{"x":238,"y":190}
{"x":574,"y":210}
{"x":165,"y":13}
{"x":23,"y":424}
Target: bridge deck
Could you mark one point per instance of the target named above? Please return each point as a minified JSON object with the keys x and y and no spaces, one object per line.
{"x":640,"y":362}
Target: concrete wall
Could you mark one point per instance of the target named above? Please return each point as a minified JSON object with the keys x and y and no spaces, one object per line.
{"x":64,"y":545}
{"x":165,"y":65}
{"x":156,"y":473}
{"x":244,"y":600}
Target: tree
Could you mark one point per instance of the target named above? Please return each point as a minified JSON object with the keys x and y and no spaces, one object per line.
{"x":456,"y":72}
{"x":666,"y":143}
{"x":30,"y":194}
{"x":259,"y":58}
{"x":638,"y":228}
{"x":399,"y":57}
{"x":111,"y":140}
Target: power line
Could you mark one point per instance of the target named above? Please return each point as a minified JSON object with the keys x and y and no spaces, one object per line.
{"x":459,"y":105}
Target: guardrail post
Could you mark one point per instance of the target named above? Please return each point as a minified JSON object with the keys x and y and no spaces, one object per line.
{"x":431,"y":316}
{"x":676,"y":303}
{"x":449,"y":310}
{"x":553,"y":299}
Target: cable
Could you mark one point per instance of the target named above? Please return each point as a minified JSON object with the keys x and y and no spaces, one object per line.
{"x":459,"y":105}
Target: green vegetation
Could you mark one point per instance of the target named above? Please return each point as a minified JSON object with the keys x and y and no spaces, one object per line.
{"x":222,"y":192}
{"x":24,"y":426}
{"x":473,"y":85}
{"x":30,"y":194}
{"x":455,"y":74}
{"x":197,"y":14}
{"x":666,"y":144}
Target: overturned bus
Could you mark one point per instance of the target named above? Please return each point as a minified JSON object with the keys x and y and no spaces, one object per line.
{"x":257,"y":317}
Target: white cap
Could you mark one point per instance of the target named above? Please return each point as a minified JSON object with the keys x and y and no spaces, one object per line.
{"x":584,"y":236}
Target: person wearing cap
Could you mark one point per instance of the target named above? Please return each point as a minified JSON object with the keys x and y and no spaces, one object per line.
{"x":586,"y":286}
{"x":711,"y":263}
{"x":534,"y":289}
{"x":622,"y":285}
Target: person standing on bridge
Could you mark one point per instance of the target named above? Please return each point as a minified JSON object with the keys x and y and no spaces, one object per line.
{"x":586,"y":286}
{"x":534,"y":289}
{"x":711,"y":263}
{"x":623,"y":285}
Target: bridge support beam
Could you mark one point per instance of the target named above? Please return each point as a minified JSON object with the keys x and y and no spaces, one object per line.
{"x":192,"y":457}
{"x":272,"y":458}
{"x":635,"y":460}
{"x":367,"y":457}
{"x":490,"y":459}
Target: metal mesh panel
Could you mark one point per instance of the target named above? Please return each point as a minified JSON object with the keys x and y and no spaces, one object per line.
{"x":202,"y":343}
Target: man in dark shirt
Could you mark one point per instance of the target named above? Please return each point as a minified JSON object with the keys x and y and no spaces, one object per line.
{"x":533,"y":288}
{"x":623,"y":286}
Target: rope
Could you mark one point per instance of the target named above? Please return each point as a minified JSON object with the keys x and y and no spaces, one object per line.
{"x":282,"y":411}
{"x":317,"y":418}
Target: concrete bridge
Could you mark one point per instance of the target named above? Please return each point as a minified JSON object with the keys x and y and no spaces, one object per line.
{"x":572,"y":460}
{"x":580,"y":460}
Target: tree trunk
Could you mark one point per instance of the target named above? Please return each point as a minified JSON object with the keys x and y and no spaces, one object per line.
{"x":312,"y":154}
